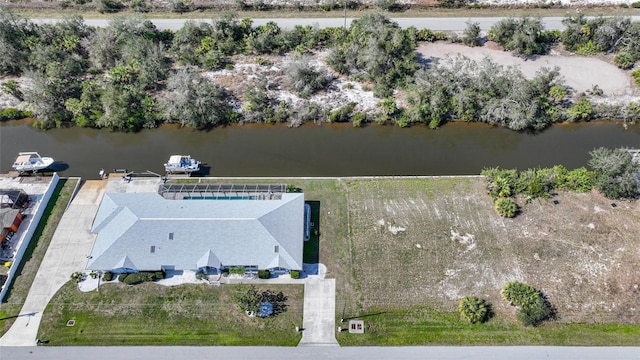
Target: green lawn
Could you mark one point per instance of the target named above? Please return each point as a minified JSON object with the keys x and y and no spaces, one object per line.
{"x":420,"y":325}
{"x":34,"y":254}
{"x":152,"y":314}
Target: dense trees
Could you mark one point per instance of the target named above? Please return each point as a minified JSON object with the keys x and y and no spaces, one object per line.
{"x":193,"y":100}
{"x":462,"y":89}
{"x":116,"y":77}
{"x":376,"y":50}
{"x":617,"y":174}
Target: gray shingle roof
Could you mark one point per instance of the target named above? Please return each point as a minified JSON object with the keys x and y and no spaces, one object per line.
{"x":144,"y":231}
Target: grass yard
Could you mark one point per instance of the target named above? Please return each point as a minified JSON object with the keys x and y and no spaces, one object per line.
{"x":152,"y":314}
{"x":35,"y":252}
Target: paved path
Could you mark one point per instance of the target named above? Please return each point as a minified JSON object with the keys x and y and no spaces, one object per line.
{"x":319,"y":315}
{"x":436,"y":24}
{"x":67,"y":253}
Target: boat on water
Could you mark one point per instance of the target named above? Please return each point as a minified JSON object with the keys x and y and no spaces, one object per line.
{"x":31,"y":161}
{"x":182,"y":164}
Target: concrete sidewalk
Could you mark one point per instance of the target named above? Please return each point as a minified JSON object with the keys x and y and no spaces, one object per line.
{"x":67,"y":253}
{"x":319,"y":315}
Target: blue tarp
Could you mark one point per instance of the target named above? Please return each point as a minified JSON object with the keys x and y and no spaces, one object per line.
{"x":266,"y":309}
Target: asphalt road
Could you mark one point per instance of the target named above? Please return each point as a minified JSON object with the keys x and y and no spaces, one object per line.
{"x":436,"y":24}
{"x":321,"y":353}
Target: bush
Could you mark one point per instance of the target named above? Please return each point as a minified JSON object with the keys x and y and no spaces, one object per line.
{"x":107,"y":276}
{"x":343,"y":114}
{"x":304,"y":79}
{"x":636,"y":76}
{"x":522,"y":36}
{"x":635,"y":5}
{"x":122,"y":276}
{"x":143,"y":276}
{"x":471,"y":35}
{"x":12,"y":87}
{"x":237,"y":270}
{"x":506,"y":207}
{"x":533,"y":308}
{"x":581,"y":110}
{"x":264,"y":274}
{"x":13,"y":114}
{"x":615,"y":173}
{"x":474,"y":309}
{"x":295,"y":274}
{"x":624,"y":60}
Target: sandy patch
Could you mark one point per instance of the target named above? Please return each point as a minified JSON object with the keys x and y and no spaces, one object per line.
{"x":580,"y":73}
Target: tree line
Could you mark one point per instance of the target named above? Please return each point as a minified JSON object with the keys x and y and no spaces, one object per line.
{"x":131,"y":75}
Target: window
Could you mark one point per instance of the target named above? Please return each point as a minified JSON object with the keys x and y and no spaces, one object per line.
{"x":170,"y":236}
{"x":153,"y":249}
{"x":276,"y":249}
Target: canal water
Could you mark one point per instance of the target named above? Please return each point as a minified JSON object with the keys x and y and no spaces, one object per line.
{"x":311,"y":150}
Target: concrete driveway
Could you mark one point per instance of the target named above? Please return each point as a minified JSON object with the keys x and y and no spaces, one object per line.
{"x":67,"y":253}
{"x":319,"y":315}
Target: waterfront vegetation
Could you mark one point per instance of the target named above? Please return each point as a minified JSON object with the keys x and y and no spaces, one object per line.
{"x":403,"y":253}
{"x":34,"y":254}
{"x":130,"y":75}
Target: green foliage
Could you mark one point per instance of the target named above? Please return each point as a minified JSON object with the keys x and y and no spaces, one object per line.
{"x":463,"y":89}
{"x":78,"y":276}
{"x":636,"y":76}
{"x":471,"y":34}
{"x":582,"y":110}
{"x":616,"y":173}
{"x":305,"y":79}
{"x":248,"y":299}
{"x":195,"y":101}
{"x":522,"y":36}
{"x":140,"y":277}
{"x":264,"y":274}
{"x":237,"y":270}
{"x":474,"y":309}
{"x":377,"y":50}
{"x":107,"y":276}
{"x":12,"y":87}
{"x":295,"y":274}
{"x":108,"y":6}
{"x":533,"y":308}
{"x":13,"y":114}
{"x":506,"y":207}
{"x":635,"y":5}
{"x":624,"y":60}
{"x":342,"y":114}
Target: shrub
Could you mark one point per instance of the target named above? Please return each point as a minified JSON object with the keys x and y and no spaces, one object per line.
{"x":506,"y":207}
{"x":474,"y":309}
{"x":295,"y":274}
{"x":122,"y":277}
{"x":78,"y":276}
{"x":533,"y":308}
{"x":143,"y":276}
{"x":635,"y":5}
{"x":343,"y":114}
{"x":107,"y":276}
{"x":12,"y":87}
{"x":624,"y":60}
{"x":264,"y":274}
{"x":636,"y":76}
{"x":615,"y":173}
{"x":581,"y":110}
{"x":471,"y":35}
{"x":13,"y":114}
{"x":304,"y":79}
{"x":522,"y":36}
{"x":109,"y":6}
{"x":237,"y":270}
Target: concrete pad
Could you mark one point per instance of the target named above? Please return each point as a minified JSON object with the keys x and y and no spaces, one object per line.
{"x":319,"y":315}
{"x":67,"y":253}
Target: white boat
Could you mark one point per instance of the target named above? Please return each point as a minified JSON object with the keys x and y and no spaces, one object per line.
{"x":182,"y":164}
{"x":31,"y":161}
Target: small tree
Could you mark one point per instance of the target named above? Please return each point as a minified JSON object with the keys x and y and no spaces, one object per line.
{"x":616,"y":173}
{"x":305,"y":79}
{"x":474,"y":309}
{"x":471,"y":35}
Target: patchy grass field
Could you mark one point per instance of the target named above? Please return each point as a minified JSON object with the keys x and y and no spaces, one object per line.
{"x":35,"y":252}
{"x":152,"y":314}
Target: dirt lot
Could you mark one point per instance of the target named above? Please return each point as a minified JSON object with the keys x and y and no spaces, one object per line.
{"x":416,"y":241}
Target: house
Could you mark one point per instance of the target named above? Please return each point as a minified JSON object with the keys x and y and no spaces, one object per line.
{"x":151,"y":232}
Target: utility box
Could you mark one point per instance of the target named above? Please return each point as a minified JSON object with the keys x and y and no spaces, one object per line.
{"x":356,"y":326}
